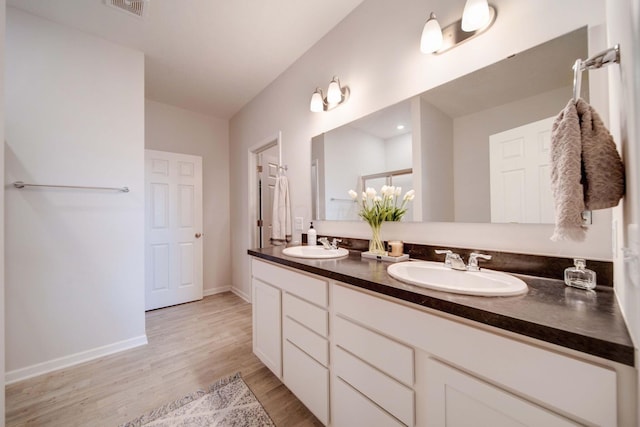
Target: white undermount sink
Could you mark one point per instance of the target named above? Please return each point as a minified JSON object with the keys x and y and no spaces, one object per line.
{"x":314,"y":252}
{"x":436,"y":276}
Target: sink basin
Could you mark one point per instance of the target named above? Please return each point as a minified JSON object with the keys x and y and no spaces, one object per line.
{"x":314,"y":252}
{"x":436,"y":276}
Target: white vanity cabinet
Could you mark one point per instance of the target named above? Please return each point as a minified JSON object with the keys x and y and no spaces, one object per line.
{"x":356,"y":358}
{"x":559,"y":389}
{"x":298,"y":326}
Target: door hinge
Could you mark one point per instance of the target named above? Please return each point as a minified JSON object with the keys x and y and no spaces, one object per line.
{"x":259,"y":168}
{"x":260,"y":223}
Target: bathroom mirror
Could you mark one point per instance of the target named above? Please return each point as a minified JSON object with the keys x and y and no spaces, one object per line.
{"x":474,"y":149}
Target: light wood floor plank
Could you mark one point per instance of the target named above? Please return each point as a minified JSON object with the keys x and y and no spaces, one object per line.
{"x":190,"y":347}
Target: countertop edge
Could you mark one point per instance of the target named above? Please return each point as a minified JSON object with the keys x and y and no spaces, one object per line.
{"x":615,"y":352}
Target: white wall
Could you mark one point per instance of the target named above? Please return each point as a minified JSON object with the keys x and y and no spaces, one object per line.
{"x":2,"y":250}
{"x":74,"y":258}
{"x":436,"y":157}
{"x":397,"y":152}
{"x":349,"y":154}
{"x":383,"y":67}
{"x":173,"y":129}
{"x":623,"y":19}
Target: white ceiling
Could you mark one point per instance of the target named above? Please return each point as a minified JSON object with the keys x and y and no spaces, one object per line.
{"x":211,"y":56}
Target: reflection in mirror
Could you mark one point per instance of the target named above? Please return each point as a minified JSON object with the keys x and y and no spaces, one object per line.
{"x":477,"y":147}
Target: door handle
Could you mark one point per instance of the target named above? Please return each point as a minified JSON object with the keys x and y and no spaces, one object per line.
{"x":198,"y":235}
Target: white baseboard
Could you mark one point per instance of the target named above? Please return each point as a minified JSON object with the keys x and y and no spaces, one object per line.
{"x":73,"y":359}
{"x":213,"y":291}
{"x":241,"y":294}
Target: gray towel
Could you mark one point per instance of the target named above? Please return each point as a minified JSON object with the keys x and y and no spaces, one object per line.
{"x":586,"y":170}
{"x":603,"y":171}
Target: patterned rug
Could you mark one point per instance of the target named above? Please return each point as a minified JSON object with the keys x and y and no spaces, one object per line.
{"x":228,"y":402}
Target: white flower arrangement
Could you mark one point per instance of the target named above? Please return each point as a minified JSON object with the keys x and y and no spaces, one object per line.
{"x":388,"y":206}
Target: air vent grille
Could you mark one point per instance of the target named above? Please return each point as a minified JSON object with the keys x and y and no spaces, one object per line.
{"x":133,"y":7}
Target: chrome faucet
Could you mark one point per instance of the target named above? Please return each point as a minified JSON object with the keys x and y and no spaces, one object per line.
{"x":473,"y":261}
{"x":325,"y":243}
{"x":452,"y":260}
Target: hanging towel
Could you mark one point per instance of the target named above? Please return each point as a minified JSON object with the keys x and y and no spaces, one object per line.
{"x":586,"y":170}
{"x":281,"y":229}
{"x":603,"y":171}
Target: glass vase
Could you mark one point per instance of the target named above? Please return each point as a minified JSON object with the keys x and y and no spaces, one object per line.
{"x":376,"y":245}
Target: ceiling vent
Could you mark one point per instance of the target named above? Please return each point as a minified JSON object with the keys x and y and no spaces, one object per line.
{"x":136,"y":8}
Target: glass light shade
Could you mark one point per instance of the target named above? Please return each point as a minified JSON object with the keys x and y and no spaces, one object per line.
{"x":431,"y":39}
{"x":317,"y":104}
{"x":334,"y":92}
{"x":476,"y":15}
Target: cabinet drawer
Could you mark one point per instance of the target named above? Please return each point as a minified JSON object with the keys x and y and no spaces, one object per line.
{"x":308,"y":380}
{"x":306,"y":287}
{"x":309,"y":342}
{"x":389,"y":356}
{"x":392,"y":396}
{"x":309,"y":315}
{"x":350,"y":408}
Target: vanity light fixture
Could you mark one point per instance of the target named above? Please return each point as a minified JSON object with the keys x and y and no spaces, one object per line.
{"x":431,"y":40}
{"x":336,"y":95}
{"x":478,"y":17}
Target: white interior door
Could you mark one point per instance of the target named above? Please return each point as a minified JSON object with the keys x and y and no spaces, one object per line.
{"x":267,"y":175}
{"x":520,"y":176}
{"x":173,"y":228}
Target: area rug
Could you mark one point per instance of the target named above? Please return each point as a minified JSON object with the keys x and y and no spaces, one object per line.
{"x":228,"y":402}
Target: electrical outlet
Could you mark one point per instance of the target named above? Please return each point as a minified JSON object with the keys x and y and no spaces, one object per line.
{"x":299,"y":223}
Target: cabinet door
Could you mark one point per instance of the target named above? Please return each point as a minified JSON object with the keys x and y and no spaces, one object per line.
{"x":267,"y":325}
{"x":456,"y":399}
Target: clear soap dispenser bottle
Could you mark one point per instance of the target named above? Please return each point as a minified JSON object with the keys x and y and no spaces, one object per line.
{"x":579,"y":276}
{"x":311,"y":236}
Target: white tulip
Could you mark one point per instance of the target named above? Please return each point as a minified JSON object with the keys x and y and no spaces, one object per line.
{"x":410,"y":195}
{"x":377,"y":199}
{"x":353,"y":194}
{"x":390,"y":191}
{"x":371,"y":192}
{"x":398,"y":191}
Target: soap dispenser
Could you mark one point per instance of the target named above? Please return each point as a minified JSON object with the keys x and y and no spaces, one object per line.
{"x":311,"y":236}
{"x":579,"y":276}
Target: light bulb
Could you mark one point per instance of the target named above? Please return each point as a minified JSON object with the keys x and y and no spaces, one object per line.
{"x":476,"y":15}
{"x":317,"y":103}
{"x":431,"y":39}
{"x":334,"y":92}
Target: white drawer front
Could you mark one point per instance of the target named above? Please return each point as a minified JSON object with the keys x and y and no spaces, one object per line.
{"x":311,"y":343}
{"x":385,"y":354}
{"x":351,"y":408}
{"x":306,"y":287}
{"x":392,"y":396}
{"x":308,"y":380}
{"x":312,"y":317}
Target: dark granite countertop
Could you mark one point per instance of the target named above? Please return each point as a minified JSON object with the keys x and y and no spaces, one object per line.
{"x":589,"y":322}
